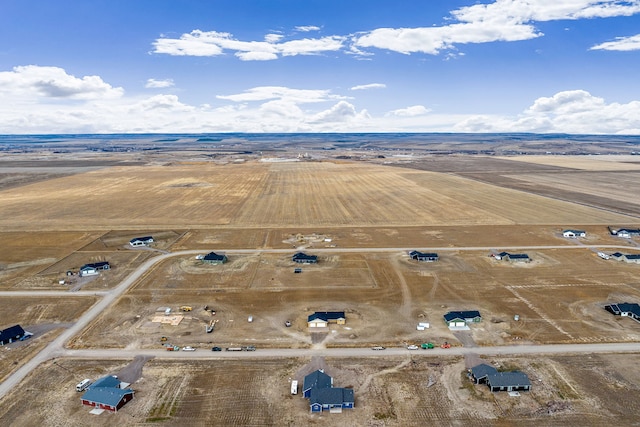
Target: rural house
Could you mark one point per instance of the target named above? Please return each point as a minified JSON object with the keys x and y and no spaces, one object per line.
{"x":426,"y":257}
{"x":302,"y":258}
{"x":9,"y":335}
{"x":574,"y":233}
{"x":512,"y":257}
{"x":631,"y":258}
{"x":626,"y":233}
{"x":318,"y":388}
{"x":500,"y":381}
{"x":106,"y":394}
{"x":459,"y":319}
{"x":93,"y":268}
{"x":214,"y":258}
{"x":141,"y":241}
{"x":321,"y":319}
{"x":625,"y":309}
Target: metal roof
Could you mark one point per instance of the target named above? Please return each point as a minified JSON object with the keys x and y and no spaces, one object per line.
{"x":508,"y":379}
{"x":317,"y":380}
{"x":106,"y":395}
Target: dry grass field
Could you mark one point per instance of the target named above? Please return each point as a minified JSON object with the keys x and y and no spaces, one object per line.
{"x":253,"y":194}
{"x":408,"y":391}
{"x":51,"y":226}
{"x":586,"y":163}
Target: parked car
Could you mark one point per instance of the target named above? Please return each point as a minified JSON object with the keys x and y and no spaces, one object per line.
{"x":188,"y":348}
{"x":216,"y":349}
{"x":412,"y":347}
{"x":377,"y":347}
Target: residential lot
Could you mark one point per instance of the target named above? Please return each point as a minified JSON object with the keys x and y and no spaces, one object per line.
{"x":567,"y":390}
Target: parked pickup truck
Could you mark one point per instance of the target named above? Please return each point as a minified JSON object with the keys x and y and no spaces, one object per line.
{"x":427,"y":345}
{"x":234,"y":348}
{"x":188,"y":348}
{"x":249,"y":348}
{"x":377,"y":347}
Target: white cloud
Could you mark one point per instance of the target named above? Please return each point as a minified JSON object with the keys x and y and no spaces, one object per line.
{"x":415,"y":110}
{"x":264,"y":93}
{"x":69,"y":104}
{"x":369,"y":86}
{"x":158,"y":84}
{"x":575,"y":111}
{"x":33,"y":81}
{"x":307,"y":28}
{"x":501,"y":20}
{"x":213,"y":43}
{"x":621,"y":44}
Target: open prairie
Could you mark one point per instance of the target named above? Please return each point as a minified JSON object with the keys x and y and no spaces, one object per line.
{"x":262,"y":195}
{"x":567,"y":390}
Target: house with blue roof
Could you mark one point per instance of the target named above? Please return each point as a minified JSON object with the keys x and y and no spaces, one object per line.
{"x":302,"y":258}
{"x":459,"y":319}
{"x":106,"y":394}
{"x":321,"y":319}
{"x":318,"y":388}
{"x":11,"y":334}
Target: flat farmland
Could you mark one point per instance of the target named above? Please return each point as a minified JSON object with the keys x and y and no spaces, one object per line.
{"x":611,"y":185}
{"x":389,"y":237}
{"x":587,"y":163}
{"x":258,"y":195}
{"x":25,"y":254}
{"x":559,"y":297}
{"x":397,"y":391}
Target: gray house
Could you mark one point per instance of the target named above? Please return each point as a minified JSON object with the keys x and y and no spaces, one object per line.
{"x":500,"y":381}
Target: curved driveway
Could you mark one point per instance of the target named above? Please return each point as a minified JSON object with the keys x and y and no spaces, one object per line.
{"x":56,"y":347}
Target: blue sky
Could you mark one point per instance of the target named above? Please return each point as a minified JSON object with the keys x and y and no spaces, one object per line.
{"x":319,"y":66}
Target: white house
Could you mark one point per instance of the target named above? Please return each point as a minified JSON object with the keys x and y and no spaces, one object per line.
{"x":574,"y":233}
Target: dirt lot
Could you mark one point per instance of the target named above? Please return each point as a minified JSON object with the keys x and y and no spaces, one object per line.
{"x":45,"y":317}
{"x":407,"y":391}
{"x":559,"y":297}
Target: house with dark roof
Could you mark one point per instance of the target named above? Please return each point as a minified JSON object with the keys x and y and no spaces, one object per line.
{"x":106,"y":394}
{"x":141,"y":241}
{"x":627,"y":233}
{"x":302,"y":258}
{"x":631,"y":258}
{"x":625,"y":309}
{"x":425,"y":257}
{"x":574,"y":233}
{"x":11,"y":334}
{"x":459,"y":319}
{"x":94,"y":268}
{"x":318,"y":388}
{"x":500,"y":381}
{"x":321,"y":319}
{"x":214,"y":258}
{"x":316,"y":379}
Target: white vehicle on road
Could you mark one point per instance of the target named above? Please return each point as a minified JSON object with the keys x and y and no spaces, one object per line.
{"x":412,"y":347}
{"x":188,"y":348}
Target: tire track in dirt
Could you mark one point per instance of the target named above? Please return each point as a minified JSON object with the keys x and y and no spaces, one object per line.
{"x":539,"y":312}
{"x":369,"y":378}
